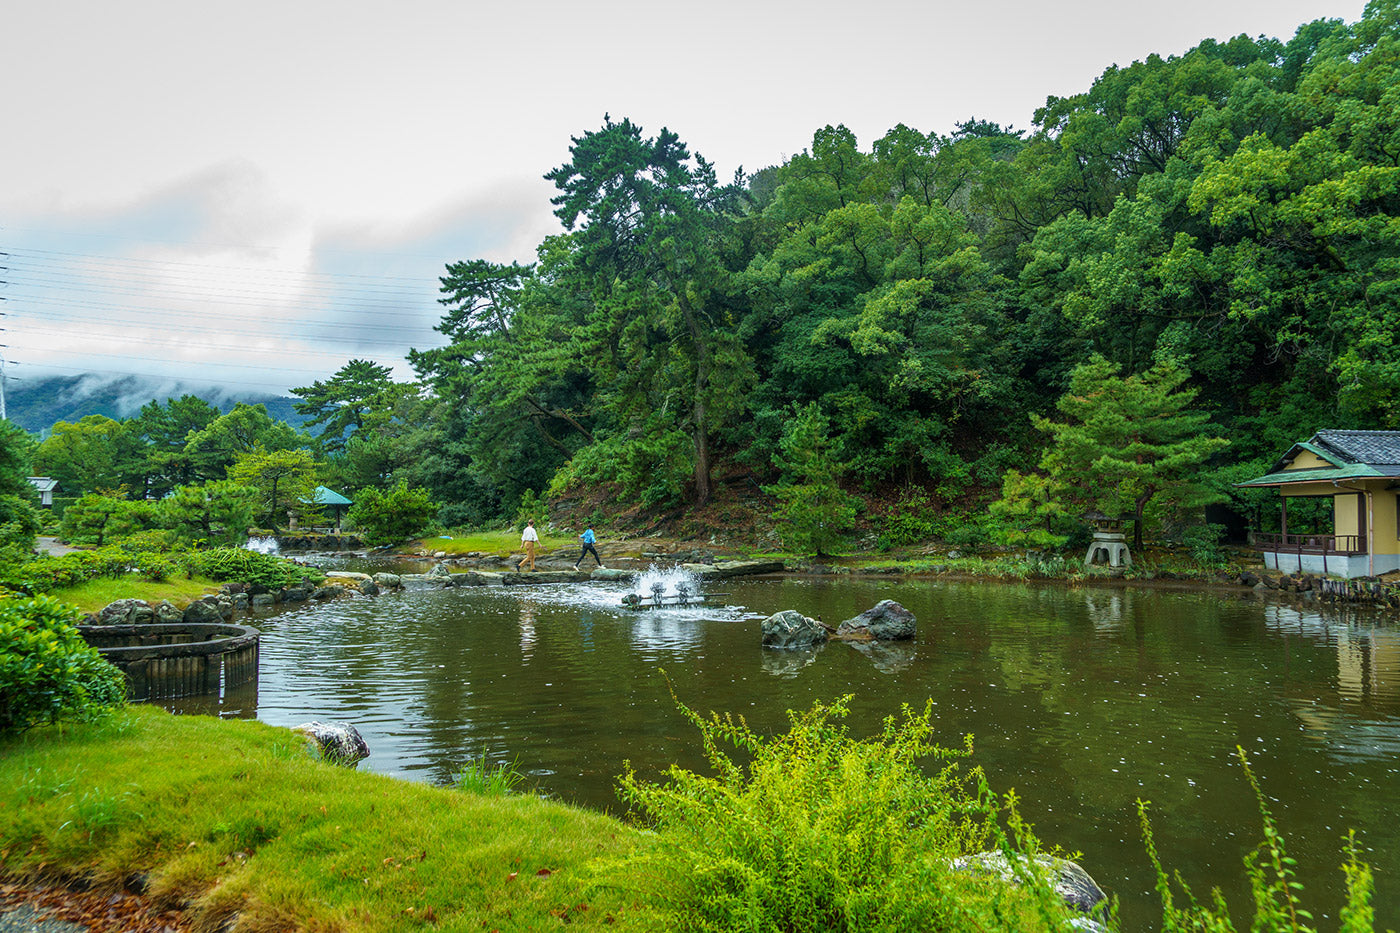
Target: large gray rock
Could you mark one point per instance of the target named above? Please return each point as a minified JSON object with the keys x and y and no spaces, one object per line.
{"x":545,"y":576}
{"x":126,"y":612}
{"x":388,"y":580}
{"x":1071,"y":882}
{"x":168,"y":613}
{"x":337,"y":742}
{"x":612,"y":573}
{"x":887,"y":620}
{"x":791,"y":629}
{"x":205,"y":610}
{"x":725,"y":569}
{"x":440,"y":571}
{"x":346,"y":575}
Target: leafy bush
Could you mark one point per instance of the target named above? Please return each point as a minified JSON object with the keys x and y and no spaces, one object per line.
{"x":49,"y":572}
{"x":908,"y":521}
{"x":820,"y":831}
{"x":245,"y":566}
{"x":393,"y":516}
{"x":20,"y":522}
{"x":47,"y":672}
{"x":1203,"y":541}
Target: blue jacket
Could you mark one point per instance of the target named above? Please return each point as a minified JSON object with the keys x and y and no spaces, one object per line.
{"x":587,"y":536}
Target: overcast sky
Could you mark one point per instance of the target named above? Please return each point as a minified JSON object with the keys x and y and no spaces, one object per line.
{"x":254,"y":193}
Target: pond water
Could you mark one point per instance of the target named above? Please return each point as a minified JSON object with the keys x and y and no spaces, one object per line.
{"x":1082,"y":699}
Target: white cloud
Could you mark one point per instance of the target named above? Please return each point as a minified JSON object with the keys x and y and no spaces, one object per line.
{"x":282,"y":184}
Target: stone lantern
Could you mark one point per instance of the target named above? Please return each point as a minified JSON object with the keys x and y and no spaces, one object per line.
{"x":1109,"y":549}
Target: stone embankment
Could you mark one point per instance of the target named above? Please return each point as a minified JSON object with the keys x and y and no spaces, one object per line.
{"x":1308,"y":588}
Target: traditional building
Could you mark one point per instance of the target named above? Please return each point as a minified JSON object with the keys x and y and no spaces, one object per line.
{"x":46,"y":486}
{"x":1359,"y":471}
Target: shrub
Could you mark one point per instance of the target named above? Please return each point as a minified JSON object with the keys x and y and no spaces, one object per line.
{"x":908,"y":521}
{"x":1203,"y":541}
{"x":47,"y":672}
{"x":820,"y":831}
{"x":20,"y":522}
{"x":393,"y":516}
{"x":245,"y":566}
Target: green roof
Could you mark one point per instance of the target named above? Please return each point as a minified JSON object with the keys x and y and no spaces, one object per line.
{"x":324,"y":496}
{"x":1285,"y":477}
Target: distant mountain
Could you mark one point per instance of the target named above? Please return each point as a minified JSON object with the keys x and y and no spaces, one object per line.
{"x":37,"y":405}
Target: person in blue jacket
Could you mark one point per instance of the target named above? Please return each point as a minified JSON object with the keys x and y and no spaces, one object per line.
{"x":588,"y":548}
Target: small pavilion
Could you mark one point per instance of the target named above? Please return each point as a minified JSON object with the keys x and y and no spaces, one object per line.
{"x":334,"y":502}
{"x":1359,"y":471}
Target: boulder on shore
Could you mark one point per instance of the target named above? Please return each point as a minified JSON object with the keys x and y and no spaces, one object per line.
{"x":337,"y":742}
{"x":612,"y":573}
{"x":887,"y":620}
{"x":791,"y":629}
{"x":206,"y":609}
{"x":126,"y":612}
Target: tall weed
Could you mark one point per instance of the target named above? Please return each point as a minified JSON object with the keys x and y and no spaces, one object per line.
{"x":1273,"y":881}
{"x":823,"y":832}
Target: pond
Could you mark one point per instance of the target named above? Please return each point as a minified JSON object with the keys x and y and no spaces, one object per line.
{"x":1082,"y":699}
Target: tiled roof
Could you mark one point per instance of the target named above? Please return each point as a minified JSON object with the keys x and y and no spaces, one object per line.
{"x":1376,"y":448}
{"x":1355,"y":454}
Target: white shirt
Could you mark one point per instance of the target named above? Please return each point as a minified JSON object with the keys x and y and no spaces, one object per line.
{"x":529,"y":534}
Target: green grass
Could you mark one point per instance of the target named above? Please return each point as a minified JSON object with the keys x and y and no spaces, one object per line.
{"x":492,"y":542}
{"x":98,"y":592}
{"x":234,"y":819}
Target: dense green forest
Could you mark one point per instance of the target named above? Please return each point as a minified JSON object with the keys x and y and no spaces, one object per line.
{"x":913,"y":313}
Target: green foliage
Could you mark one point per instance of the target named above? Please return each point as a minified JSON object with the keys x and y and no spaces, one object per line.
{"x":20,"y":522}
{"x":245,"y":566}
{"x":47,"y":672}
{"x":650,"y":468}
{"x":1278,"y":907}
{"x":92,"y":454}
{"x":908,"y":521}
{"x":360,"y":394}
{"x":814,"y":830}
{"x":284,"y":481}
{"x":1203,"y":542}
{"x":393,"y":516}
{"x":217,"y":513}
{"x":1128,"y":440}
{"x":814,"y":514}
{"x":1030,"y":512}
{"x":532,"y":508}
{"x":99,"y":518}
{"x":16,"y":453}
{"x":481,"y":776}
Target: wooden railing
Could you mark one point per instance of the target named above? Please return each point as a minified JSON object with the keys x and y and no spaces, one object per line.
{"x":1311,"y":544}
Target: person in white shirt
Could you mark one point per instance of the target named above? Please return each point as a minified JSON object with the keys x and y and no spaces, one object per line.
{"x":528,"y":538}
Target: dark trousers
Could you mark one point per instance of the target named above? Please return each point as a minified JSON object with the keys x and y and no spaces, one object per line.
{"x":589,"y":549}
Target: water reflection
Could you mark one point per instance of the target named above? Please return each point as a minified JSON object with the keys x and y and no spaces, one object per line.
{"x":527,"y":629}
{"x":1082,"y":700}
{"x":789,"y":663}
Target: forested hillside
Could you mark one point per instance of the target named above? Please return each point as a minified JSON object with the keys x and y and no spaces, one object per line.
{"x":1232,"y":210}
{"x":904,"y":314}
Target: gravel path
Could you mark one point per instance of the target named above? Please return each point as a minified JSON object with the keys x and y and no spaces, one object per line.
{"x":26,"y":918}
{"x":25,"y":909}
